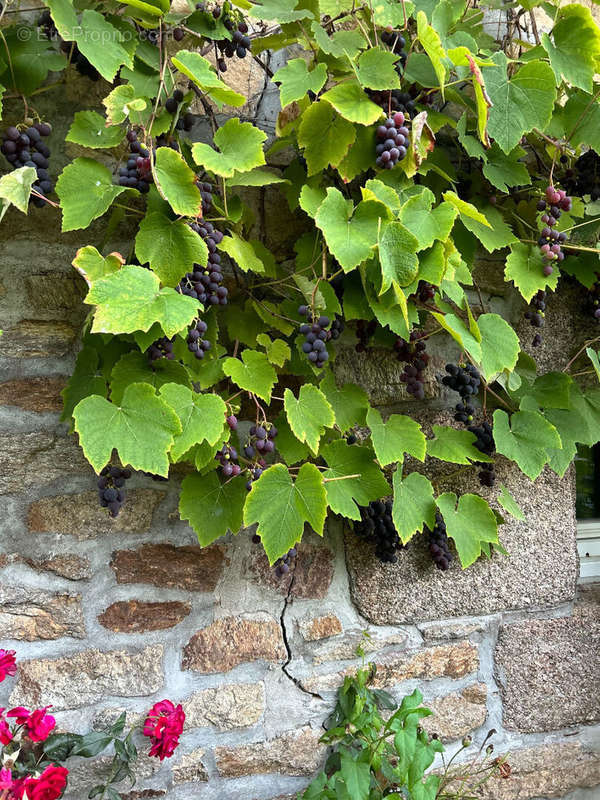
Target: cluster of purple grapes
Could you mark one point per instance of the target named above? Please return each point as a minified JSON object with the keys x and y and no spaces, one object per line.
{"x":535,"y":315}
{"x":227,"y":457}
{"x":137,"y":174}
{"x":205,"y":284}
{"x":206,"y":194}
{"x":555,"y":202}
{"x":161,"y":348}
{"x":282,"y":565}
{"x":413,"y":354}
{"x":439,"y":545}
{"x":392,"y":141}
{"x":485,"y":444}
{"x":465,"y":381}
{"x":376,"y":525}
{"x":316,"y":335}
{"x":396,"y":42}
{"x":26,"y":149}
{"x":425,"y":292}
{"x":238,"y":45}
{"x":195,"y":343}
{"x":394,"y":100}
{"x":111,"y":490}
{"x":261,"y":440}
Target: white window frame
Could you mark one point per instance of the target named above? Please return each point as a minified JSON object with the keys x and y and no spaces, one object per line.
{"x":588,"y":547}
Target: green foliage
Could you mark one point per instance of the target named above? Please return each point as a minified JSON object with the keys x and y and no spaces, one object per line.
{"x":386,"y":251}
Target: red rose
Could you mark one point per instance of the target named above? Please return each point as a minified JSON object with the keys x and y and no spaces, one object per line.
{"x":39,"y":724}
{"x":8,"y":664}
{"x":6,"y":736}
{"x":50,"y":784}
{"x":163,"y":726}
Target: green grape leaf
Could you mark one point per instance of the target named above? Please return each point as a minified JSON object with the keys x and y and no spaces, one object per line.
{"x":524,"y":267}
{"x":414,"y":506}
{"x":212,"y":508}
{"x":102,"y":44}
{"x":593,"y":357}
{"x":345,"y":494}
{"x":278,"y":351}
{"x":433,"y":47}
{"x":351,"y":102}
{"x":394,"y":437}
{"x":342,"y":44}
{"x":176,"y":182}
{"x":15,"y":188}
{"x":201,"y":71}
{"x":359,"y":157}
{"x":553,"y":390}
{"x":504,"y":170}
{"x":576,"y":48}
{"x":253,"y":373}
{"x":240,"y":145}
{"x":350,"y":233}
{"x":520,"y":103}
{"x":201,"y":416}
{"x":398,"y":256}
{"x":469,"y":524}
{"x":296,"y":80}
{"x":308,"y":415}
{"x":375,"y":69}
{"x":425,"y":223}
{"x":131,"y":300}
{"x":171,"y":247}
{"x":141,"y":428}
{"x":509,"y":504}
{"x":282,"y":507}
{"x":242,"y":252}
{"x":325,"y":137}
{"x":466,"y":210}
{"x":498,"y":236}
{"x":291,"y":450}
{"x":92,"y":265}
{"x":349,"y":403}
{"x":499,"y":345}
{"x":280,"y":10}
{"x":256,"y":177}
{"x":135,"y":367}
{"x":454,"y":445}
{"x":86,"y":379}
{"x":90,"y":130}
{"x":525,"y":440}
{"x":121,"y":102}
{"x":311,"y":198}
{"x":31,"y":58}
{"x":86,"y":191}
{"x":375,"y":189}
{"x":460,"y":333}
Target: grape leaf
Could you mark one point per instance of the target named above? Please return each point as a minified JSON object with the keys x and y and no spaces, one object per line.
{"x":130,"y":300}
{"x":350,"y":233}
{"x":212,"y":508}
{"x":92,"y":265}
{"x":15,"y":188}
{"x":499,"y":345}
{"x":242,"y":252}
{"x":454,"y":445}
{"x":375,"y":69}
{"x":466,"y":210}
{"x":425,"y":223}
{"x":279,"y":10}
{"x":504,"y":170}
{"x":101,"y":43}
{"x":278,"y":351}
{"x":282,"y":507}
{"x":492,"y":238}
{"x":90,"y":130}
{"x":253,"y":373}
{"x":520,"y":103}
{"x":86,"y":191}
{"x":31,"y":58}
{"x":171,"y":247}
{"x":524,"y":268}
{"x":351,"y":102}
{"x":553,"y":390}
{"x":240,"y":145}
{"x":414,"y":506}
{"x":288,"y":446}
{"x":508,"y":503}
{"x":398,"y":256}
{"x":121,"y":102}
{"x":87,"y":379}
{"x":308,"y":415}
{"x":468,"y":524}
{"x":135,"y":367}
{"x":325,"y":137}
{"x":201,"y":71}
{"x":349,"y":403}
{"x":394,"y":437}
{"x":256,"y":177}
{"x":296,"y":80}
{"x":346,"y":494}
{"x":576,"y":48}
{"x":525,"y":440}
{"x":201,"y":416}
{"x":342,"y":44}
{"x":433,"y":47}
{"x":176,"y":182}
{"x":142,"y":429}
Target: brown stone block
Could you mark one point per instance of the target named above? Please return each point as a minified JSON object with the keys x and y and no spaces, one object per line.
{"x":33,"y":339}
{"x":292,"y":753}
{"x":312,"y":573}
{"x":135,"y":616}
{"x":231,"y":641}
{"x":192,"y":568}
{"x":190,"y":768}
{"x":36,"y":459}
{"x":81,"y":515}
{"x":31,"y":614}
{"x":234,"y":705}
{"x":457,"y":714}
{"x":55,"y":291}
{"x":34,"y":394}
{"x":323,"y":627}
{"x":72,"y":567}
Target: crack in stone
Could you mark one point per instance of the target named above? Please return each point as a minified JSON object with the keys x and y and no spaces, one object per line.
{"x":296,"y":681}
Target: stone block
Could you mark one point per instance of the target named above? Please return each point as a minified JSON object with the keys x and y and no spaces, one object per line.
{"x":33,"y":339}
{"x":55,"y":292}
{"x":88,"y":676}
{"x":292,"y":753}
{"x":311,"y":575}
{"x":31,"y":460}
{"x":457,"y":714}
{"x":82,"y":516}
{"x":190,"y":769}
{"x":323,"y":627}
{"x":68,"y":565}
{"x":548,"y":669}
{"x":191,"y":568}
{"x":34,"y":394}
{"x":231,"y":641}
{"x":135,"y":616}
{"x":32,"y":614}
{"x":234,"y":705}
{"x":346,"y":648}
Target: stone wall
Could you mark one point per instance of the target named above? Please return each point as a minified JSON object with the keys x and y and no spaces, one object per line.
{"x":116,"y":614}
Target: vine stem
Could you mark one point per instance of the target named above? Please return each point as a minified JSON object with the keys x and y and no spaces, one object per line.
{"x":341,"y":478}
{"x":580,"y":351}
{"x":567,"y":246}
